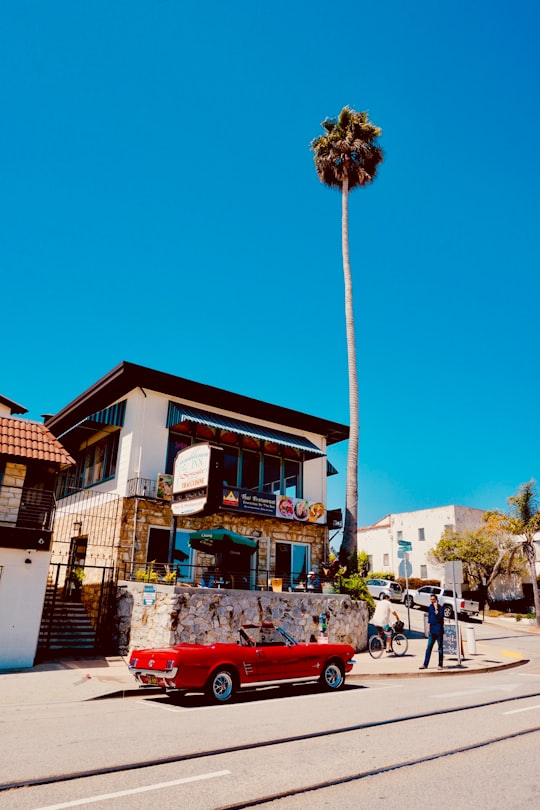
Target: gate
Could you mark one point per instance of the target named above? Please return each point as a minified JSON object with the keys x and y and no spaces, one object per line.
{"x":79,"y":610}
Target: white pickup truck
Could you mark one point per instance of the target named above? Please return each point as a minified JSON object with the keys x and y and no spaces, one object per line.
{"x":420,"y":598}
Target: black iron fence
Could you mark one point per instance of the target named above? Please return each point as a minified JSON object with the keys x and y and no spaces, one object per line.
{"x":210,"y":576}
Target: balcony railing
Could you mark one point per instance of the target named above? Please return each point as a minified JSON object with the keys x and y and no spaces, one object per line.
{"x":213,"y":577}
{"x":141,"y":488}
{"x":26,"y":508}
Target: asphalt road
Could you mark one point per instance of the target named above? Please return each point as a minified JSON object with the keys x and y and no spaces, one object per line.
{"x":399,"y":743}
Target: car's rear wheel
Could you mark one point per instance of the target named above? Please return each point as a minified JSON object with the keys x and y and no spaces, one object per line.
{"x":381,"y":595}
{"x":333,"y":676}
{"x":448,"y":613}
{"x":221,"y":686}
{"x":408,"y":602}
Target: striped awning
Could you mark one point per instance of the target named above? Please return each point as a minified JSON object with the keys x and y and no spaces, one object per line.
{"x":182,"y":413}
{"x":113,"y":415}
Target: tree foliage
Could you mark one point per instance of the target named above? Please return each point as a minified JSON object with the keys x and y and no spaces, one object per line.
{"x":485,"y":553}
{"x":522,"y":522}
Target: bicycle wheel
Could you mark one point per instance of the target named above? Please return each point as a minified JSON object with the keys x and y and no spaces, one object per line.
{"x":400,"y":644}
{"x":376,"y":646}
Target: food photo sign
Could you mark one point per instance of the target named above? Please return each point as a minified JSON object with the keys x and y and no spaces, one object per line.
{"x":300,"y":509}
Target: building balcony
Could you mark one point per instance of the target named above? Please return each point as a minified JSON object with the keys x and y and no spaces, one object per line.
{"x":142,"y":488}
{"x":26,"y":517}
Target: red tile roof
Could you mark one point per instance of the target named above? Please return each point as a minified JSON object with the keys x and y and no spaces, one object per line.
{"x":26,"y":439}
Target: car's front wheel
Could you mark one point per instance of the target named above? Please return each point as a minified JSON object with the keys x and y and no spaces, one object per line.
{"x":333,"y":676}
{"x":221,"y":686}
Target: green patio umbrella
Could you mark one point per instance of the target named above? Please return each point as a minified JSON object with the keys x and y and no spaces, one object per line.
{"x":215,"y":540}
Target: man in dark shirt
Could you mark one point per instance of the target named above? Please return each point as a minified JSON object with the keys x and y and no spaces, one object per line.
{"x":436,"y":631}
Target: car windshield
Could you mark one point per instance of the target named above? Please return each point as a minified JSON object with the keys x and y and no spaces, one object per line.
{"x":266,"y":636}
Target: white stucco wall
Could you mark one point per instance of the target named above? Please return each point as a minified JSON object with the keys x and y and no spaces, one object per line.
{"x":22,"y":591}
{"x":144,"y":440}
{"x":382,"y":537}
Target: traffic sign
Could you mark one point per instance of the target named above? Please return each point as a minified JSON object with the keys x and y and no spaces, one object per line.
{"x":406,"y":545}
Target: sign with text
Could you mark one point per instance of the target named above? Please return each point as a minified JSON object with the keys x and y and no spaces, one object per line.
{"x":197,"y":479}
{"x":247,"y":500}
{"x":450,"y":640}
{"x":266,"y":503}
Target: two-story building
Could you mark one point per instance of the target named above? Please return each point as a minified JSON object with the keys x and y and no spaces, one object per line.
{"x":114,"y":506}
{"x":423,"y":528}
{"x":30,"y":461}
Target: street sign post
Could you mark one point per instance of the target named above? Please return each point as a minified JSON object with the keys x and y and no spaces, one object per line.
{"x":404,"y":546}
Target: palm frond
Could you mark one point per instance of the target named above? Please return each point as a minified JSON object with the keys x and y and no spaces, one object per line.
{"x":347,"y":150}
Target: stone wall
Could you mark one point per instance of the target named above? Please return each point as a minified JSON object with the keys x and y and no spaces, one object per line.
{"x":200,"y":615}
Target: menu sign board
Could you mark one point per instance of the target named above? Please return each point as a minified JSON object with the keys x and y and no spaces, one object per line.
{"x":194,"y":472}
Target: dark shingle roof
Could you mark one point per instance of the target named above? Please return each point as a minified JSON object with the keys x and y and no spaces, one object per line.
{"x":25,"y":439}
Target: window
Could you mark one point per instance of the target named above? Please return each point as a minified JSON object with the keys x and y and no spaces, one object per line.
{"x":421,"y":534}
{"x":292,"y":563}
{"x":386,"y":559}
{"x":271,"y":474}
{"x":400,"y":535}
{"x":423,"y":572}
{"x":245,"y":465}
{"x":230,"y":466}
{"x":95,"y":464}
{"x":291,"y":474}
{"x":250,"y":470}
{"x":449,"y":527}
{"x":370,"y":562}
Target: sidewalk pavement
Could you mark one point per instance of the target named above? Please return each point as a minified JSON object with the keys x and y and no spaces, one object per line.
{"x":75,"y":679}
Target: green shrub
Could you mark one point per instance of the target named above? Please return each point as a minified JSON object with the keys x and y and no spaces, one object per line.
{"x":355,"y":586}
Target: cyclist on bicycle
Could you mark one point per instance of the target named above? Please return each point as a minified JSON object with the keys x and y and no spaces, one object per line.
{"x":382,"y":619}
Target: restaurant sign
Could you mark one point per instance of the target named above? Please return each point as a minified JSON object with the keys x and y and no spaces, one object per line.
{"x":281,"y":506}
{"x":197,"y":471}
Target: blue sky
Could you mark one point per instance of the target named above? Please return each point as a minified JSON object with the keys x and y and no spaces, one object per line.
{"x":159,"y":204}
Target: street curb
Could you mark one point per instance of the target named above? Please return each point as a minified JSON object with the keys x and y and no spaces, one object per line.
{"x":435,"y":673}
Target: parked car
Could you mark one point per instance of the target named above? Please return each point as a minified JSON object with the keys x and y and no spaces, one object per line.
{"x":379,"y":588}
{"x":263,"y":655}
{"x":445,"y":596}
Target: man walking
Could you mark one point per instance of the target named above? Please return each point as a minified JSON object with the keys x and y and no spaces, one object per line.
{"x":436,"y":632}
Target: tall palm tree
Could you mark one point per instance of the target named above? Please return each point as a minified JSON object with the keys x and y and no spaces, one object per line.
{"x":523,"y":521}
{"x":346,"y":157}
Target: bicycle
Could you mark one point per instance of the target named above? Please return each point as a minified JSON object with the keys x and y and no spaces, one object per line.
{"x":399,"y":643}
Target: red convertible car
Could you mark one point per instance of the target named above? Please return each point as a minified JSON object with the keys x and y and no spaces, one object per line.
{"x":264,"y":655}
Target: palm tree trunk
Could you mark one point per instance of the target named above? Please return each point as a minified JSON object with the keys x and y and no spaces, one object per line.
{"x":530,"y":553}
{"x":350,"y":542}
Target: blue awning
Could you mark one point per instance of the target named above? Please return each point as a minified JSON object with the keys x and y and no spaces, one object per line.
{"x":182,"y":413}
{"x":113,"y":415}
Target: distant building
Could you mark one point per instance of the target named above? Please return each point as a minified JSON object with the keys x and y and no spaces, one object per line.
{"x":423,"y":529}
{"x":30,"y":460}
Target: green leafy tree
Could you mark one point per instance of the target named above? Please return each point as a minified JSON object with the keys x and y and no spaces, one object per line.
{"x":362,"y":562}
{"x":485,"y":553}
{"x":347,"y":157}
{"x":523,"y":521}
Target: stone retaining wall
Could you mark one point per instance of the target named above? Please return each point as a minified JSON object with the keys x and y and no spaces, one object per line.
{"x":201,"y":615}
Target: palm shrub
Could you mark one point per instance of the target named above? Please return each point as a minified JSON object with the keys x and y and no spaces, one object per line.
{"x":355,"y":586}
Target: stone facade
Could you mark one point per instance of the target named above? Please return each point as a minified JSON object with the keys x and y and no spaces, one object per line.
{"x":199,"y":615}
{"x":11,"y":493}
